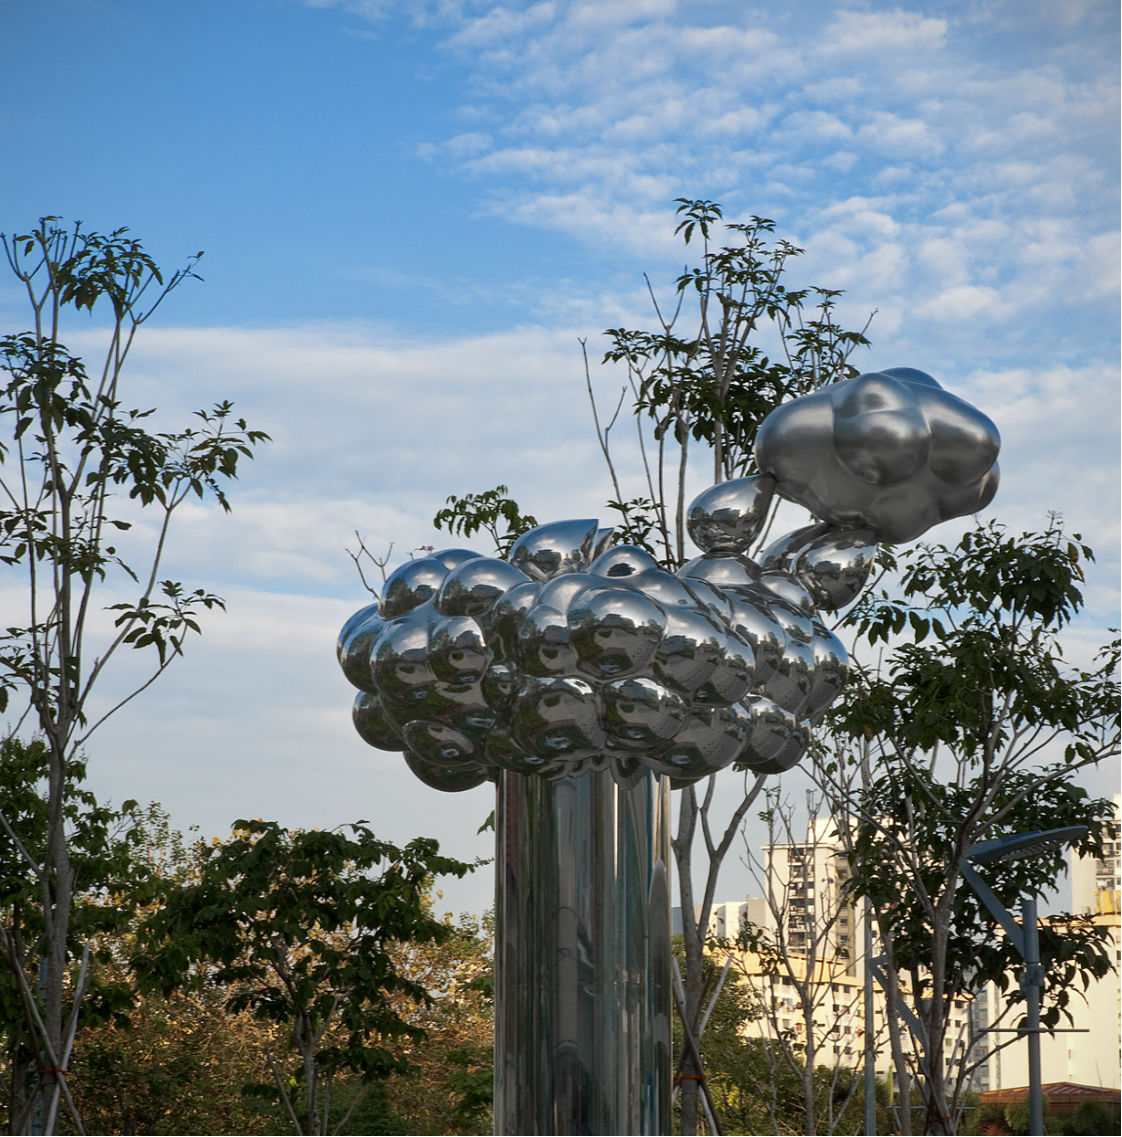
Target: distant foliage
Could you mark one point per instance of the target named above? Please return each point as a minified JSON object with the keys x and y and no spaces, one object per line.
{"x":301,"y":928}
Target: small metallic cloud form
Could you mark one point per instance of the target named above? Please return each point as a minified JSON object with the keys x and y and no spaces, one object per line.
{"x":576,"y":655}
{"x":890,"y":451}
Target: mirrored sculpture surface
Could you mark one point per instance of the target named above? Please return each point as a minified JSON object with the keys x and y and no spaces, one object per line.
{"x":574,"y":654}
{"x":586,"y":680}
{"x":890,"y":450}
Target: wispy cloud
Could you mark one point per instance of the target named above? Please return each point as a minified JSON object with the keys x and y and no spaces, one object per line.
{"x":871,"y":34}
{"x":597,"y":117}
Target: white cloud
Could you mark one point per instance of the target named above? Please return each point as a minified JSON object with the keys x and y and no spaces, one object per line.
{"x":863,"y":215}
{"x":459,"y":148}
{"x":1099,"y":267}
{"x":603,"y":14}
{"x":901,"y":137}
{"x":817,"y":124}
{"x":834,"y":89}
{"x":877,"y":33}
{"x":561,"y":165}
{"x":963,"y":302}
{"x":1052,"y":420}
{"x":370,"y":431}
{"x":738,"y":120}
{"x":557,"y":120}
{"x":255,"y":721}
{"x":501,"y":24}
{"x":586,"y":214}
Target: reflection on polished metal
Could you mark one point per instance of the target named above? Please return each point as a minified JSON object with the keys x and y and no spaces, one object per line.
{"x":610,"y":680}
{"x":582,"y":956}
{"x":890,"y":450}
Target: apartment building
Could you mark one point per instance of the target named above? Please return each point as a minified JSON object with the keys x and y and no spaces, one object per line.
{"x":820,"y":988}
{"x":806,"y":898}
{"x":1087,"y":1051}
{"x":1096,"y":882}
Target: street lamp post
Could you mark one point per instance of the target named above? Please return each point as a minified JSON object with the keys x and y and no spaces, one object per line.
{"x":1023,"y":935}
{"x":870,"y":1041}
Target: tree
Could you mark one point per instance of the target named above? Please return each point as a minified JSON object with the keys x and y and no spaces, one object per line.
{"x":801,"y":960}
{"x":150,"y":1063}
{"x":492,"y":511}
{"x":700,"y":391}
{"x":736,"y":1067}
{"x":969,"y":725}
{"x":75,"y":464}
{"x":103,"y":844}
{"x":176,"y":1064}
{"x":181,"y":1061}
{"x":450,"y":1088}
{"x":715,"y":384}
{"x":302,"y":928}
{"x":757,"y":1080}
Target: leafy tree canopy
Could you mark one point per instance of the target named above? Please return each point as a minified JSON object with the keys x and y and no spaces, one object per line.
{"x":301,"y":926}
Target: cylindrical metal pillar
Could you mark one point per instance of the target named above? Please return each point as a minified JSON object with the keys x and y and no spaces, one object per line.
{"x":1032,"y":982}
{"x":582,"y":956}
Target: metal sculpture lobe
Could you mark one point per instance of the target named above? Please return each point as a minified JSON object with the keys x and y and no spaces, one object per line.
{"x":585,"y":679}
{"x":890,"y":450}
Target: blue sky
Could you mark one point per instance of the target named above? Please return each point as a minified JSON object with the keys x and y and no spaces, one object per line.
{"x":411,"y":213}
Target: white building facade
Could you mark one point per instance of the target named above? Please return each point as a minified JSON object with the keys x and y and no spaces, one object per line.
{"x":1088,"y":1051}
{"x":821,"y":987}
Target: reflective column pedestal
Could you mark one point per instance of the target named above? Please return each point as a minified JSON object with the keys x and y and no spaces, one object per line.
{"x":582,"y":955}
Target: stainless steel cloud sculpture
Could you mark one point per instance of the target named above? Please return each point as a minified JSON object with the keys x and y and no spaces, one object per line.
{"x":890,"y":450}
{"x":575,"y":655}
